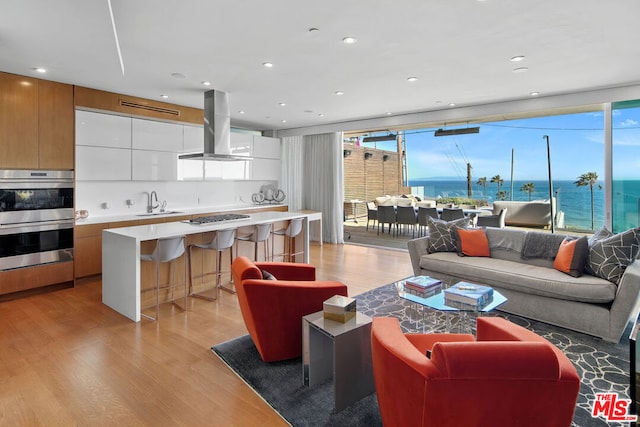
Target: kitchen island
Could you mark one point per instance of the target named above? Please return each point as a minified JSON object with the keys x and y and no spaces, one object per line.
{"x":121,"y":281}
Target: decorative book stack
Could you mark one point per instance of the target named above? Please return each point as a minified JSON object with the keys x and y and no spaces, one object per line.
{"x":423,"y":286}
{"x":465,"y":295}
{"x":339,"y":308}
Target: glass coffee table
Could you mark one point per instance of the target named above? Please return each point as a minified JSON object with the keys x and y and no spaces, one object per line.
{"x":436,"y":304}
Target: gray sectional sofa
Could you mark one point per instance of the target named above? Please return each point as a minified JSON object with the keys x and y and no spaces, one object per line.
{"x":535,"y":289}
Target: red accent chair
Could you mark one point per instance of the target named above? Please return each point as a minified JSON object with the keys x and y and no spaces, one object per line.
{"x":273,"y":309}
{"x":509,"y":376}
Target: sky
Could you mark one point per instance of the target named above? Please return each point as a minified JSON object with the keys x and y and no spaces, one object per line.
{"x":576,"y":144}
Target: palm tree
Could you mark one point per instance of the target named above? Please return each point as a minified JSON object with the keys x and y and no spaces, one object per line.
{"x":483,"y":182}
{"x":588,"y":178}
{"x":501,"y":195}
{"x":498,"y":180}
{"x":529,"y":187}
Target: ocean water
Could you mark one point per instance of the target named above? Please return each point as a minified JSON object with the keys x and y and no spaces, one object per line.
{"x":574,"y":201}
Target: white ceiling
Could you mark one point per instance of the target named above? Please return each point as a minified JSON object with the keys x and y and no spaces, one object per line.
{"x":459,"y":50}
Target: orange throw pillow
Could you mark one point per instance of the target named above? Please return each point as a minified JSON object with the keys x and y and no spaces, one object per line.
{"x":473,"y":242}
{"x":571,"y":256}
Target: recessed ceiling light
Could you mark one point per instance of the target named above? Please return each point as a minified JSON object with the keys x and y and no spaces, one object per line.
{"x":452,"y":104}
{"x":388,"y":113}
{"x":520,"y":70}
{"x":206,"y":83}
{"x":164,"y":96}
{"x":178,"y":76}
{"x":517,"y":58}
{"x":282,"y":104}
{"x":534,"y":93}
{"x":267,"y":64}
{"x":349,"y":40}
{"x":412,"y":79}
{"x":39,"y":70}
{"x":339,"y":92}
{"x":320,"y":115}
{"x":241,"y":112}
{"x":308,"y":111}
{"x":283,"y":121}
{"x":313,"y":30}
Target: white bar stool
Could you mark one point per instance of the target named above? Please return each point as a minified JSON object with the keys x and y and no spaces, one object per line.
{"x":260,"y":234}
{"x":293,"y":229}
{"x":167,"y":250}
{"x":222,"y":241}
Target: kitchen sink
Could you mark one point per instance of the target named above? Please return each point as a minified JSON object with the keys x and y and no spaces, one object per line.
{"x":159,"y":213}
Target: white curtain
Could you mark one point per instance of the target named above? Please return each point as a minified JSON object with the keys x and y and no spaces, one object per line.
{"x":312,"y":178}
{"x":324,"y":173}
{"x":292,"y":167}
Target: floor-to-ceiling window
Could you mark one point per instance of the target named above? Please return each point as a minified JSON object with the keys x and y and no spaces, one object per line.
{"x":625,"y":162}
{"x":509,"y":160}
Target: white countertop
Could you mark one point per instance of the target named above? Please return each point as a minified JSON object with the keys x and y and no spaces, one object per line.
{"x":121,"y":253}
{"x":133,"y":216}
{"x":178,"y":228}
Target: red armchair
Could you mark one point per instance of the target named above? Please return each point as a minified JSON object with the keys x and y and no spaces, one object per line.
{"x":273,"y":309}
{"x":508,"y":377}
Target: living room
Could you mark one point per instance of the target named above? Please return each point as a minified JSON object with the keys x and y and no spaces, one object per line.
{"x":69,"y":359}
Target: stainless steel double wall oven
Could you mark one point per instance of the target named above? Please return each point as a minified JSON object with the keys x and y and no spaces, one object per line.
{"x":36,"y":217}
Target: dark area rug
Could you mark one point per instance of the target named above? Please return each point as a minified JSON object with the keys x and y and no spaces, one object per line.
{"x":280,"y":384}
{"x":603,"y":367}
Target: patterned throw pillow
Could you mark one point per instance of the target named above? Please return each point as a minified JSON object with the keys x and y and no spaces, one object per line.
{"x":609,"y":257}
{"x":440,"y":238}
{"x":600,"y":234}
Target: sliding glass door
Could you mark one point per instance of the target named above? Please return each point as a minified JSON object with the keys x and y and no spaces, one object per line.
{"x":625,"y":162}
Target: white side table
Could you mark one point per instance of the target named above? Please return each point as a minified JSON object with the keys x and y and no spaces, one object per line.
{"x":341,"y":351}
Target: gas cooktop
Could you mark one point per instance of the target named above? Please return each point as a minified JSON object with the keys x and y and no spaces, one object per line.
{"x":218,"y":218}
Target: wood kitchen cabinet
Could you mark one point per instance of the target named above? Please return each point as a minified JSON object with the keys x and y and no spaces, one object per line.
{"x":55,"y":125}
{"x":30,"y":278}
{"x":18,"y":122}
{"x":88,"y":246}
{"x":36,"y":123}
{"x":87,"y":249}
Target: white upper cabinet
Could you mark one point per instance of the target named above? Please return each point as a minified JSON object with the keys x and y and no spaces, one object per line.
{"x":266,"y":169}
{"x":103,"y":164}
{"x":266,"y":148}
{"x":151,"y":165}
{"x":157,"y":136}
{"x":118,"y":148}
{"x":241,"y":144}
{"x":193,"y":139}
{"x":102,"y":130}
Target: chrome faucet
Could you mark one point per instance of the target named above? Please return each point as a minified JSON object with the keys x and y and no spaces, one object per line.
{"x":150,"y":206}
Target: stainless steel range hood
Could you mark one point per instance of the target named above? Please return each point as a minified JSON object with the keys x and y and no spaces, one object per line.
{"x":217,"y":130}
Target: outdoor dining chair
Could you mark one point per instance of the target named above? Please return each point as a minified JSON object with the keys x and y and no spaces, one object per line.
{"x":372,"y":213}
{"x":449,"y":214}
{"x":406,"y":215}
{"x":423,"y":214}
{"x":386,"y":215}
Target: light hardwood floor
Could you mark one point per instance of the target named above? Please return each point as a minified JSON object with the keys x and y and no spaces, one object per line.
{"x":66,"y":359}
